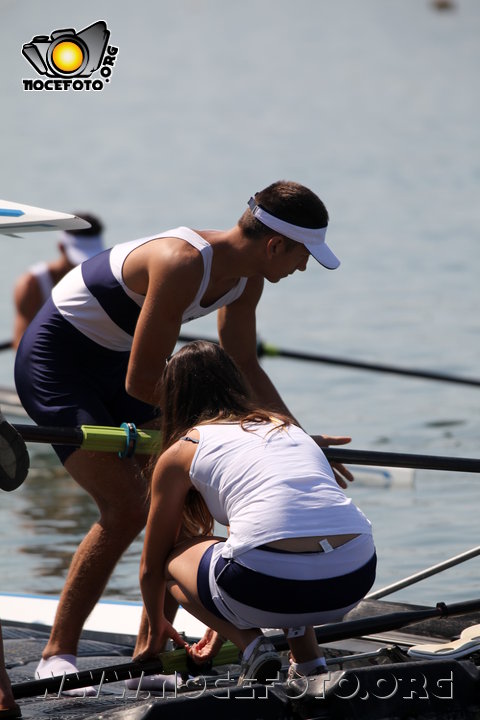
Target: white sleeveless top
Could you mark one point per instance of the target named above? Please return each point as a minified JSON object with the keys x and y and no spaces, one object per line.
{"x":42,"y":274}
{"x":268,"y":484}
{"x":94,"y":298}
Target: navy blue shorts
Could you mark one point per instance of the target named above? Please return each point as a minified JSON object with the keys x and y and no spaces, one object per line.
{"x":278,"y":599}
{"x":65,"y":379}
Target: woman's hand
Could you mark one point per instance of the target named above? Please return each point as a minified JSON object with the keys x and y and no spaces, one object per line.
{"x":340,"y":472}
{"x":206,"y":648}
{"x":156,"y":642}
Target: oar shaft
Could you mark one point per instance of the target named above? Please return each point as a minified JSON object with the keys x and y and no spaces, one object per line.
{"x":271,"y":351}
{"x":423,"y":574}
{"x":391,"y":621}
{"x":112,"y":439}
{"x":167,"y":662}
{"x":52,"y":435}
{"x":267,"y":350}
{"x":408,"y":460}
{"x":84,"y":678}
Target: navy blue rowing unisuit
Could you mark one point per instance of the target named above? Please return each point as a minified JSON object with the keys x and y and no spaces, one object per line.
{"x":71,"y":364}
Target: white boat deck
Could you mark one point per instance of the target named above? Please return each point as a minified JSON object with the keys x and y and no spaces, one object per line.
{"x":118,"y":617}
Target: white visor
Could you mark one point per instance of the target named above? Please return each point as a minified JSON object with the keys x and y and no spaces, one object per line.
{"x":81,"y":247}
{"x":312,"y":238}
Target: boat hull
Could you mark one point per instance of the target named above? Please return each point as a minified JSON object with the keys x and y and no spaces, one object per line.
{"x":369,"y":677}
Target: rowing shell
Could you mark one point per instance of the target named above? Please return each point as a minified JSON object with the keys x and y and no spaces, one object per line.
{"x":16,"y":217}
{"x":369,"y":677}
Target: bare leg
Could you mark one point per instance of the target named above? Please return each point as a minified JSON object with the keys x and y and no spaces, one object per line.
{"x":119,"y":490}
{"x":174,"y":596}
{"x":259,"y":659}
{"x":170,"y":609}
{"x":182,"y":568}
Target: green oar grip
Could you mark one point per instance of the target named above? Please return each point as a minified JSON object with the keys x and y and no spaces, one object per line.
{"x":111,"y":439}
{"x":176,"y":660}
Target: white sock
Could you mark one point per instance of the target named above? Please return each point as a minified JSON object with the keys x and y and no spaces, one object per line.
{"x":62,"y":665}
{"x":154,"y":682}
{"x":307,"y":667}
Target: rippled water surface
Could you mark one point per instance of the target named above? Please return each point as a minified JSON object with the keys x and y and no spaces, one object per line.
{"x":375,"y":106}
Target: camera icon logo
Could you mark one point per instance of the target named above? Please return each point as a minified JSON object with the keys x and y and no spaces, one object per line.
{"x":66,"y":53}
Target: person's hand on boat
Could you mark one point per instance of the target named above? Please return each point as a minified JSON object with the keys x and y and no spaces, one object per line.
{"x":206,"y":648}
{"x":156,"y":642}
{"x":340,"y":471}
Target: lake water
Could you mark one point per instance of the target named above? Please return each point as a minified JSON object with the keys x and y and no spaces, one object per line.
{"x":375,"y":106}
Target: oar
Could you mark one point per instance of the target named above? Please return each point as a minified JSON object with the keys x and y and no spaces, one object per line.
{"x":423,"y":574}
{"x":168,"y":663}
{"x":406,"y":460}
{"x":16,"y":217}
{"x":265,"y":349}
{"x":97,"y":438}
{"x":14,"y":458}
{"x":176,"y":660}
{"x":392,"y":621}
{"x":112,"y":439}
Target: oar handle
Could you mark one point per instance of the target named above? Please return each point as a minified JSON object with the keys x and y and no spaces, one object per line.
{"x":108,"y":439}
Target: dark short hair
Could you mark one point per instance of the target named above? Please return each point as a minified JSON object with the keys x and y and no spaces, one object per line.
{"x":287,"y":201}
{"x":96,"y":228}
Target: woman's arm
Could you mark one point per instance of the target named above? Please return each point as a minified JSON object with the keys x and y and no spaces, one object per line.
{"x":170,"y":484}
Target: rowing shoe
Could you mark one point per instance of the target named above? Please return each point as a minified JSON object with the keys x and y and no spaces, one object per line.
{"x":14,"y":459}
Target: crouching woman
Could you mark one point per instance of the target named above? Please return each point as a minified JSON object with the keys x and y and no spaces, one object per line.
{"x":299,"y":552}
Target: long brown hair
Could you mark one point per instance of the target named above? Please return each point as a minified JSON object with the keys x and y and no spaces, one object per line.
{"x":201,"y":384}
